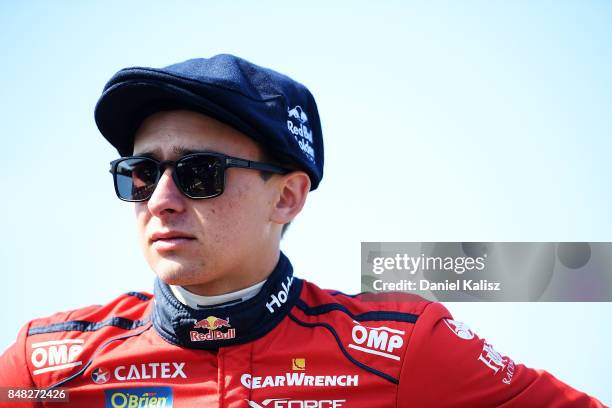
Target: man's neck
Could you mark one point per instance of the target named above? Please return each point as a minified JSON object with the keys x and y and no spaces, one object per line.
{"x":200,"y":301}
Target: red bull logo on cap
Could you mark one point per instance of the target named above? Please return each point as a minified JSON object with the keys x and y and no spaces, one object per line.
{"x":212,"y":323}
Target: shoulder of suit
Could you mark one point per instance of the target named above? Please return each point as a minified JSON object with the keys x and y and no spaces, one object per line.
{"x":130,"y":306}
{"x":364,"y":302}
{"x":60,"y":345}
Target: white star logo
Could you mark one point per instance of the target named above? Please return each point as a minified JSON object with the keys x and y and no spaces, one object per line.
{"x":100,"y":375}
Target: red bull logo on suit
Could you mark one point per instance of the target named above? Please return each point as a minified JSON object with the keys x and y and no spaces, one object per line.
{"x":212,"y":323}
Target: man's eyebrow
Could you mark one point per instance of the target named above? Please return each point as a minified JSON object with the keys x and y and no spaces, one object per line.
{"x":183,"y":151}
{"x":179,"y":151}
{"x":150,"y":154}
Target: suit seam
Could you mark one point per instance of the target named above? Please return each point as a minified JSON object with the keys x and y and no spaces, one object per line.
{"x":372,"y":315}
{"x":95,"y":353}
{"x":353,"y":360}
{"x":87,"y":326}
{"x":405,"y":356}
{"x":25,"y":359}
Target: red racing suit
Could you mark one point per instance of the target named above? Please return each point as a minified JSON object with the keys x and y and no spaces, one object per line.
{"x":293,"y":345}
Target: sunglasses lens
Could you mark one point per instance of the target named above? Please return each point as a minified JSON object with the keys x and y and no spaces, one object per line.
{"x":136,"y":179}
{"x":200,"y":176}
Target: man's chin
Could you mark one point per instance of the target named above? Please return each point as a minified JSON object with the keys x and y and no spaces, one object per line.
{"x":174,"y":273}
{"x":181,"y":271}
{"x":176,"y":278}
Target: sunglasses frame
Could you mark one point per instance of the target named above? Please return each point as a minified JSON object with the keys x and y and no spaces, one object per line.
{"x":226,"y":163}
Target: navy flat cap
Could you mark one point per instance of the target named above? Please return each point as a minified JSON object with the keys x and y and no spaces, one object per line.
{"x":277,"y":112}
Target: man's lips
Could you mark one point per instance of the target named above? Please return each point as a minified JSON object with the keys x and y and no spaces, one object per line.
{"x":170,"y":235}
{"x":170,"y":240}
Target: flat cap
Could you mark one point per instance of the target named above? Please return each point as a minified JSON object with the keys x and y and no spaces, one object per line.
{"x":277,"y":112}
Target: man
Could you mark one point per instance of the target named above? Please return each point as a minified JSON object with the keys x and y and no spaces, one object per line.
{"x":218,"y":155}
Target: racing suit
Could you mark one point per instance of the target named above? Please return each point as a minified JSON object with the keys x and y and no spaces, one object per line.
{"x":292,"y":345}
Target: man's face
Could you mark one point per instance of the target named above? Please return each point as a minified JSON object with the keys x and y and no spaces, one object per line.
{"x":218,"y":243}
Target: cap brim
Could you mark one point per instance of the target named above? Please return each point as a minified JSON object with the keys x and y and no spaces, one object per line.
{"x":124,"y":106}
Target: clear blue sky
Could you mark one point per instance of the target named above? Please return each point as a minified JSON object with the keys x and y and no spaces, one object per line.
{"x":443,"y":121}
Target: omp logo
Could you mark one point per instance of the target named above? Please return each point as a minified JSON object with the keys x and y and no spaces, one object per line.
{"x":300,"y":131}
{"x":56,"y":355}
{"x":157,"y":397}
{"x":381,"y":341}
{"x":291,"y":403}
{"x":281,"y":297}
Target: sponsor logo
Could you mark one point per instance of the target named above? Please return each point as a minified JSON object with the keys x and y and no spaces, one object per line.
{"x":380,"y":341}
{"x":496,"y":362}
{"x":297,"y":124}
{"x":298,"y":113}
{"x":298,"y":380}
{"x":291,"y":403}
{"x":100,"y":375}
{"x":461,"y":329}
{"x":212,"y":335}
{"x":509,"y":372}
{"x":145,"y":371}
{"x":492,"y":358}
{"x":298,"y":364}
{"x":277,"y":300}
{"x":150,"y":371}
{"x":212,"y":323}
{"x":56,"y":355}
{"x":158,"y":397}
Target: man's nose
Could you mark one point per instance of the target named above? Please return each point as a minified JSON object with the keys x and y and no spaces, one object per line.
{"x":166,"y":198}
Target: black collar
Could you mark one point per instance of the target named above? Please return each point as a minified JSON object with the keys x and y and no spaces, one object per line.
{"x":216,"y":327}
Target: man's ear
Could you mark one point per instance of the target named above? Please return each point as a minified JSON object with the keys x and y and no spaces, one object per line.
{"x":293,"y":190}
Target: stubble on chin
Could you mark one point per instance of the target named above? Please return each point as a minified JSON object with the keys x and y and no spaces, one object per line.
{"x":175,"y":272}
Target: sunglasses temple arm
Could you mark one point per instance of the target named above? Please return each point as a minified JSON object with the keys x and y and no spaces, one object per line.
{"x":233,"y":162}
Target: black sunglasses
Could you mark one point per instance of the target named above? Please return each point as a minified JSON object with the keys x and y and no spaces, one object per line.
{"x":197,"y":175}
